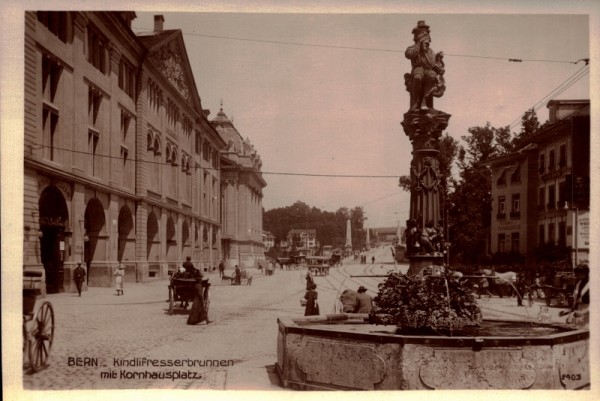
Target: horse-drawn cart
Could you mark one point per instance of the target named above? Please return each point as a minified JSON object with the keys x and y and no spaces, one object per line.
{"x":560,"y":290}
{"x":38,"y":325}
{"x":183,"y":290}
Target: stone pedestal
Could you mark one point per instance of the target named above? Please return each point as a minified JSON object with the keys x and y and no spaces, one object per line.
{"x":417,"y":263}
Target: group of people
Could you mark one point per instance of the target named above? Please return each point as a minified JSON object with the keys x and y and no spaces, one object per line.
{"x":353,"y":301}
{"x":79,"y":274}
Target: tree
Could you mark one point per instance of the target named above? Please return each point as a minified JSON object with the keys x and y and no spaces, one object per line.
{"x":470,"y":217}
{"x":330,"y":226}
{"x":529,"y":126}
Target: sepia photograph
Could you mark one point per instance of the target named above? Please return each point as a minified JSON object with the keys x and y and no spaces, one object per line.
{"x":281,"y":199}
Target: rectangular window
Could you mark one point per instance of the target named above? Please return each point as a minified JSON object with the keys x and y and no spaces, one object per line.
{"x":551,"y":233}
{"x":501,"y":243}
{"x":551,"y":160}
{"x":56,"y":22}
{"x":514,"y":242}
{"x":541,"y":235}
{"x":516,"y":203}
{"x":125,"y":122}
{"x":552,"y":197}
{"x":562,"y":156}
{"x":51,"y":72}
{"x":542,"y":164}
{"x":127,"y":167}
{"x":94,"y":104}
{"x":562,"y":194}
{"x":97,"y":48}
{"x":205,"y":195}
{"x":215,"y":159}
{"x":50,"y":122}
{"x":214,"y":210}
{"x":198,"y":143}
{"x":515,"y":212}
{"x":502,"y":179}
{"x":541,"y":198}
{"x":501,"y":207}
{"x":205,"y":151}
{"x":515,"y":178}
{"x":127,"y":78}
{"x":93,"y":140}
{"x":562,"y":234}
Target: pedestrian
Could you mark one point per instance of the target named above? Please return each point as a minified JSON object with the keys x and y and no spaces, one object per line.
{"x":199,"y":311}
{"x":579,"y":313}
{"x":189,"y":266}
{"x":79,"y":277}
{"x":119,"y":278}
{"x":364,"y":302}
{"x":309,"y":280}
{"x":373,"y":259}
{"x":270,"y":269}
{"x":238,"y":275}
{"x":221,"y":268}
{"x":348,"y":300}
{"x":312,"y":307}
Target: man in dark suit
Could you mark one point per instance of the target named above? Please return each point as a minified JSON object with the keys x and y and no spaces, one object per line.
{"x":79,"y":277}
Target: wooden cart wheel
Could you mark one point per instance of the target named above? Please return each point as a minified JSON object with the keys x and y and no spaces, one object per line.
{"x":207,"y":304}
{"x":41,"y":337}
{"x":171,"y":300}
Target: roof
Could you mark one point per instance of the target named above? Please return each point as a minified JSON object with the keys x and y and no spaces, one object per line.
{"x":302,"y":230}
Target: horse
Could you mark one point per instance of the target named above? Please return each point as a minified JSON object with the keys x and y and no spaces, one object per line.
{"x":501,"y":283}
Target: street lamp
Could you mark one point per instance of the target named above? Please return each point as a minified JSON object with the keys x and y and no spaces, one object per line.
{"x":574,"y":232}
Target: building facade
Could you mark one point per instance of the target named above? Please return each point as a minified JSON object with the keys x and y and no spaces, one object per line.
{"x":306,"y":240}
{"x":541,"y":192}
{"x":268,"y":240}
{"x":241,"y":197}
{"x":121,"y":163}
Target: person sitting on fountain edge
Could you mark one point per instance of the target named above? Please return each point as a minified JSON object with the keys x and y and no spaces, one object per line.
{"x":579,"y":313}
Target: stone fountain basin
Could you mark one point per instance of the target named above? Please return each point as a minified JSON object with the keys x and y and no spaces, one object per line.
{"x":344,"y":352}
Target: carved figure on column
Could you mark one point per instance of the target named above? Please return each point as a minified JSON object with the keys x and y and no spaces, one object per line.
{"x":427,"y":76}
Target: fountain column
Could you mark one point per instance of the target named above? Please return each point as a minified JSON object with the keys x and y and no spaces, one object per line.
{"x":424,"y":125}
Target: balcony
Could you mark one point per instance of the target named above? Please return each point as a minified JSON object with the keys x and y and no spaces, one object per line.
{"x":515,"y":215}
{"x":501,"y":216}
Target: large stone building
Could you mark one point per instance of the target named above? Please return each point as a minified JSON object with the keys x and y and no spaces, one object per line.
{"x":241,"y":194}
{"x":541,"y":192}
{"x":121,"y":161}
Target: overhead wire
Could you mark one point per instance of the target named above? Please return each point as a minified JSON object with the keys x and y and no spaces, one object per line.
{"x":555,"y":92}
{"x":374,"y":49}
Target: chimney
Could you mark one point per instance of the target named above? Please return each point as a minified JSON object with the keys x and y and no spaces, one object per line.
{"x":158,"y":23}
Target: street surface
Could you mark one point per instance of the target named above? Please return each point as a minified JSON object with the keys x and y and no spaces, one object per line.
{"x":237,"y":351}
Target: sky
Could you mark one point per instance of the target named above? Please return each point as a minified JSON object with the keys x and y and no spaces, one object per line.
{"x":324,"y":93}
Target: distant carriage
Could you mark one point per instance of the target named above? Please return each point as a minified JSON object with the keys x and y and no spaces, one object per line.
{"x":318,"y":265}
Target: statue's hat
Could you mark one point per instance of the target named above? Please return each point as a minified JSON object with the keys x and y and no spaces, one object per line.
{"x":421,"y":26}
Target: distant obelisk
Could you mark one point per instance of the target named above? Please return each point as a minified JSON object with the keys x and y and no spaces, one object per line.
{"x":348,"y":235}
{"x":368,"y":244}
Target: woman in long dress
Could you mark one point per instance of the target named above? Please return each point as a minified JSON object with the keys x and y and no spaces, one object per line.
{"x":119,"y":278}
{"x":198,"y":313}
{"x":312,"y":308}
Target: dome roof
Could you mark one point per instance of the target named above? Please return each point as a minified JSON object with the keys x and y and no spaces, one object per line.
{"x":222,"y":117}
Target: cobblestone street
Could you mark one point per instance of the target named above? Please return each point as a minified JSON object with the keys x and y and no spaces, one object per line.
{"x":110,"y":329}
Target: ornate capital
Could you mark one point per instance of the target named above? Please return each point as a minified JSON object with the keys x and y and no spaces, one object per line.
{"x":424,"y":127}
